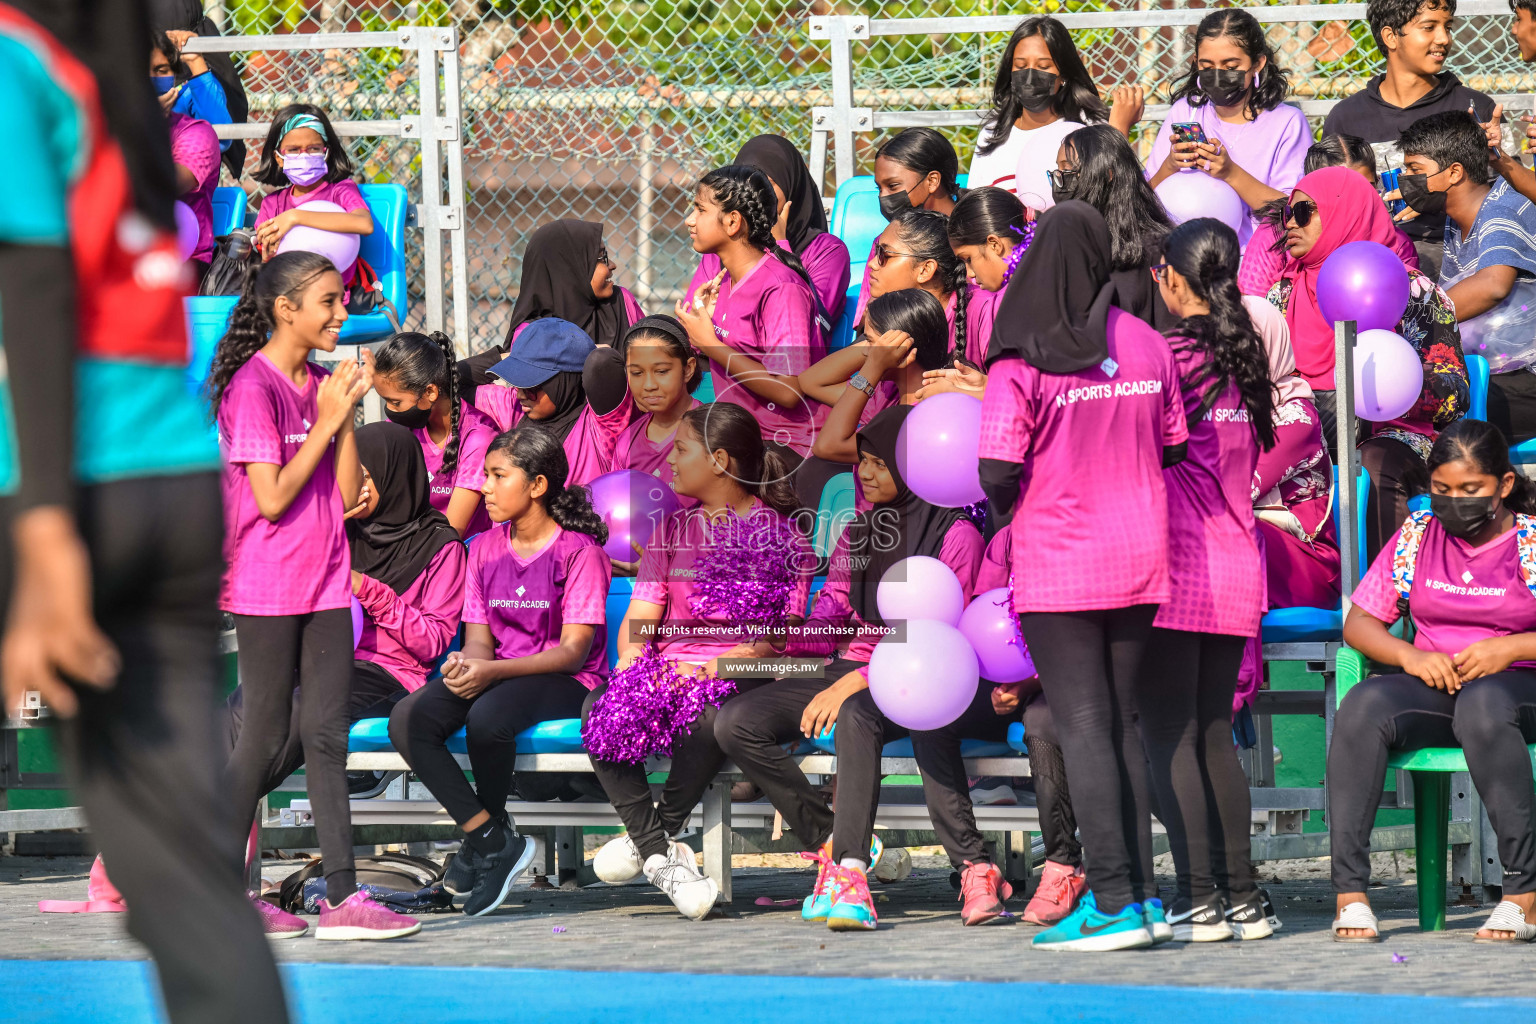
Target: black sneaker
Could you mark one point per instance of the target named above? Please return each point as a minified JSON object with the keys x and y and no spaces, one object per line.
{"x":459,"y":876}
{"x":494,"y":874}
{"x":367,"y":785}
{"x":1202,"y":922}
{"x":1253,"y":918}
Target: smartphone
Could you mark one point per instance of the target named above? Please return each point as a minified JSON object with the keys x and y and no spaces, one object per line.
{"x":1389,"y":184}
{"x":1188,"y":131}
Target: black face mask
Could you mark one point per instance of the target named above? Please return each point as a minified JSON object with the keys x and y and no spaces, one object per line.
{"x":1416,"y":193}
{"x":1225,"y":88}
{"x":895,"y":204}
{"x":410,"y":419}
{"x":1034,"y":89}
{"x":1464,"y":517}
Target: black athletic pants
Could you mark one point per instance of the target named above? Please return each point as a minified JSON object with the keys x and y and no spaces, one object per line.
{"x":144,"y":757}
{"x":1492,"y":719}
{"x":1512,"y":404}
{"x":1048,"y":769}
{"x":1088,"y":662}
{"x":312,"y":652}
{"x":946,"y":788}
{"x":421,"y":723}
{"x":1184,"y":702}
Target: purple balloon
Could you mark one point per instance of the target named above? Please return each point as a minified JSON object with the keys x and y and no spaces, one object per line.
{"x":1187,"y":195}
{"x":936,"y":450}
{"x":927,"y":680}
{"x":993,"y":631}
{"x":357,"y":622}
{"x":1388,"y":376}
{"x":1365,"y":282}
{"x":339,"y":247}
{"x":920,"y":587}
{"x":187,"y":229}
{"x":633,"y":504}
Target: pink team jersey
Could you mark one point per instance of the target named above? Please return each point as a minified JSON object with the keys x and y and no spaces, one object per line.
{"x":1213,"y":551}
{"x":588,"y":447}
{"x":195,"y":147}
{"x":1460,"y":595}
{"x":405,"y":634}
{"x":1091,"y":523}
{"x":666,"y":576}
{"x":996,"y":563}
{"x":499,"y":403}
{"x":770,"y":316}
{"x":980,"y":314}
{"x":344,"y":194}
{"x":527,"y":602}
{"x":476,"y":432}
{"x":300,"y":563}
{"x":826,"y":263}
{"x":635,"y":450}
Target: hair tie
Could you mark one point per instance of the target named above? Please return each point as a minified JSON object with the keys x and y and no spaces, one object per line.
{"x":309,"y":121}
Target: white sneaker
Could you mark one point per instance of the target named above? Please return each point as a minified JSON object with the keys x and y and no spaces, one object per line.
{"x":894,"y":864}
{"x":618,"y":861}
{"x":676,"y":875}
{"x":989,"y":792}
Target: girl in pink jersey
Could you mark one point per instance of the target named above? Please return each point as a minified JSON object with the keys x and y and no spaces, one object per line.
{"x":756,"y":320}
{"x":844,"y":627}
{"x":291,"y":471}
{"x":719,"y":459}
{"x":414,"y":375}
{"x":914,"y":252}
{"x":1468,"y":679}
{"x":1187,"y":681}
{"x":988,"y":233}
{"x":534,"y":644}
{"x":1074,"y":382}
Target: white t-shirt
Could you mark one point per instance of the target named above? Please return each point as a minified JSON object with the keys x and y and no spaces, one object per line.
{"x":1035,"y":148}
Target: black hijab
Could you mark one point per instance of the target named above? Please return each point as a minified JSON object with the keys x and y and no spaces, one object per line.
{"x":1054,"y":311}
{"x":397,"y":543}
{"x":778,"y":158}
{"x":188,"y":16}
{"x":557,"y":281}
{"x":920,"y":526}
{"x":567,"y":390}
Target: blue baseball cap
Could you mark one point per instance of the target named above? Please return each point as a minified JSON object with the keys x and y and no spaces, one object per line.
{"x":545,"y":347}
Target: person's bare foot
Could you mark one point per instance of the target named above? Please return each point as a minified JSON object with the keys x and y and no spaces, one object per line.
{"x":1343,"y":900}
{"x":1526,"y":901}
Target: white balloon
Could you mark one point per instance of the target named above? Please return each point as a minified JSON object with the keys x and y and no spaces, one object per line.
{"x":1389,"y":376}
{"x":1190,"y":194}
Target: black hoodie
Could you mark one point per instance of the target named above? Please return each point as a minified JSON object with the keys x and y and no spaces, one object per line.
{"x":1368,"y":116}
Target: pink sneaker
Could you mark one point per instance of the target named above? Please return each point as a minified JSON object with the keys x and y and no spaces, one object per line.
{"x":101,"y":896}
{"x":277,"y":922}
{"x":360,"y":917}
{"x":983,"y":891}
{"x":1061,"y":886}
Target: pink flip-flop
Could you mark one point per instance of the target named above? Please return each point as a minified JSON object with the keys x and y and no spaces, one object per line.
{"x":102,"y":897}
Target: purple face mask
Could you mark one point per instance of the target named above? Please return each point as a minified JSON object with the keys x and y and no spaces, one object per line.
{"x":304,"y":168}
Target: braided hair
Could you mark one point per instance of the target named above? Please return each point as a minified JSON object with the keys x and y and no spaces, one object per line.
{"x":414,"y":362}
{"x":925,"y":234}
{"x":1205,"y":253}
{"x":738,"y":188}
{"x":287,"y":275}
{"x":538,"y":451}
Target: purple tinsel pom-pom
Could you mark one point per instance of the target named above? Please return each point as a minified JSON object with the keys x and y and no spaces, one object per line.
{"x":648,"y":707}
{"x":747,"y":575}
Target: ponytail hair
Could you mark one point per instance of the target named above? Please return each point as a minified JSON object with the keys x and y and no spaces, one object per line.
{"x":667,"y":330}
{"x":762,"y":469}
{"x":926,"y":236}
{"x":984,"y":212}
{"x":924,"y":150}
{"x":538,"y":451}
{"x":1483,"y":446}
{"x":1205,"y":252}
{"x":918,"y":314}
{"x":287,"y":275}
{"x":746,"y":190}
{"x":414,"y":362}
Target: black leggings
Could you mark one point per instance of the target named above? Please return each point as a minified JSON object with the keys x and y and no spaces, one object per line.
{"x":696,"y":759}
{"x":144,"y":757}
{"x":373,"y":695}
{"x":277,"y":654}
{"x":1491,"y":719}
{"x":1088,"y":662}
{"x":420,"y":725}
{"x":1048,"y":769}
{"x":1184,"y":702}
{"x":946,"y":788}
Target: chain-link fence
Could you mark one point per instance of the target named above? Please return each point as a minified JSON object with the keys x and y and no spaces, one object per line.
{"x":610,"y":111}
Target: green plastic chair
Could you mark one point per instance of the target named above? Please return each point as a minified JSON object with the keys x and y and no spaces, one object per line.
{"x":1430,"y":768}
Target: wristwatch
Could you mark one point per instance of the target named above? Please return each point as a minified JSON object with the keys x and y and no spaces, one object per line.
{"x":861,"y":382}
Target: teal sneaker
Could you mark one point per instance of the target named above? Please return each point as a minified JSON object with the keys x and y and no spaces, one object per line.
{"x":1157,"y":921}
{"x":1089,"y":930}
{"x":853,"y":908}
{"x":819,"y":902}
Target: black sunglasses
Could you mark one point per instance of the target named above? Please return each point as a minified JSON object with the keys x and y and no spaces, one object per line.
{"x":1064,"y":180}
{"x":1301,"y":212}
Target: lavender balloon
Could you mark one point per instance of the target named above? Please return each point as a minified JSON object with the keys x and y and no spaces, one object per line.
{"x":357,"y":622}
{"x":187,"y":229}
{"x":920,"y":587}
{"x":928,"y":680}
{"x":633,"y":504}
{"x":1187,"y":195}
{"x":936,"y":450}
{"x":1365,"y":282}
{"x":337,"y":246}
{"x":993,"y":631}
{"x":1388,"y":376}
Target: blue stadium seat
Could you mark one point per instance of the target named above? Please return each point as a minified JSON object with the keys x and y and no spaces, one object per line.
{"x":1477,"y":376}
{"x":1296,"y":625}
{"x":857,"y":220}
{"x":1016,"y":738}
{"x":229,"y":206}
{"x":705,"y":392}
{"x":842,"y":331}
{"x":827,"y":744}
{"x":558,"y":736}
{"x":385,"y":252}
{"x":619,"y":592}
{"x":834,"y":514}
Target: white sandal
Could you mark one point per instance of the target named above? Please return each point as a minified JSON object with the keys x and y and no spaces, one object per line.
{"x":1356,"y":915}
{"x":1508,"y":917}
